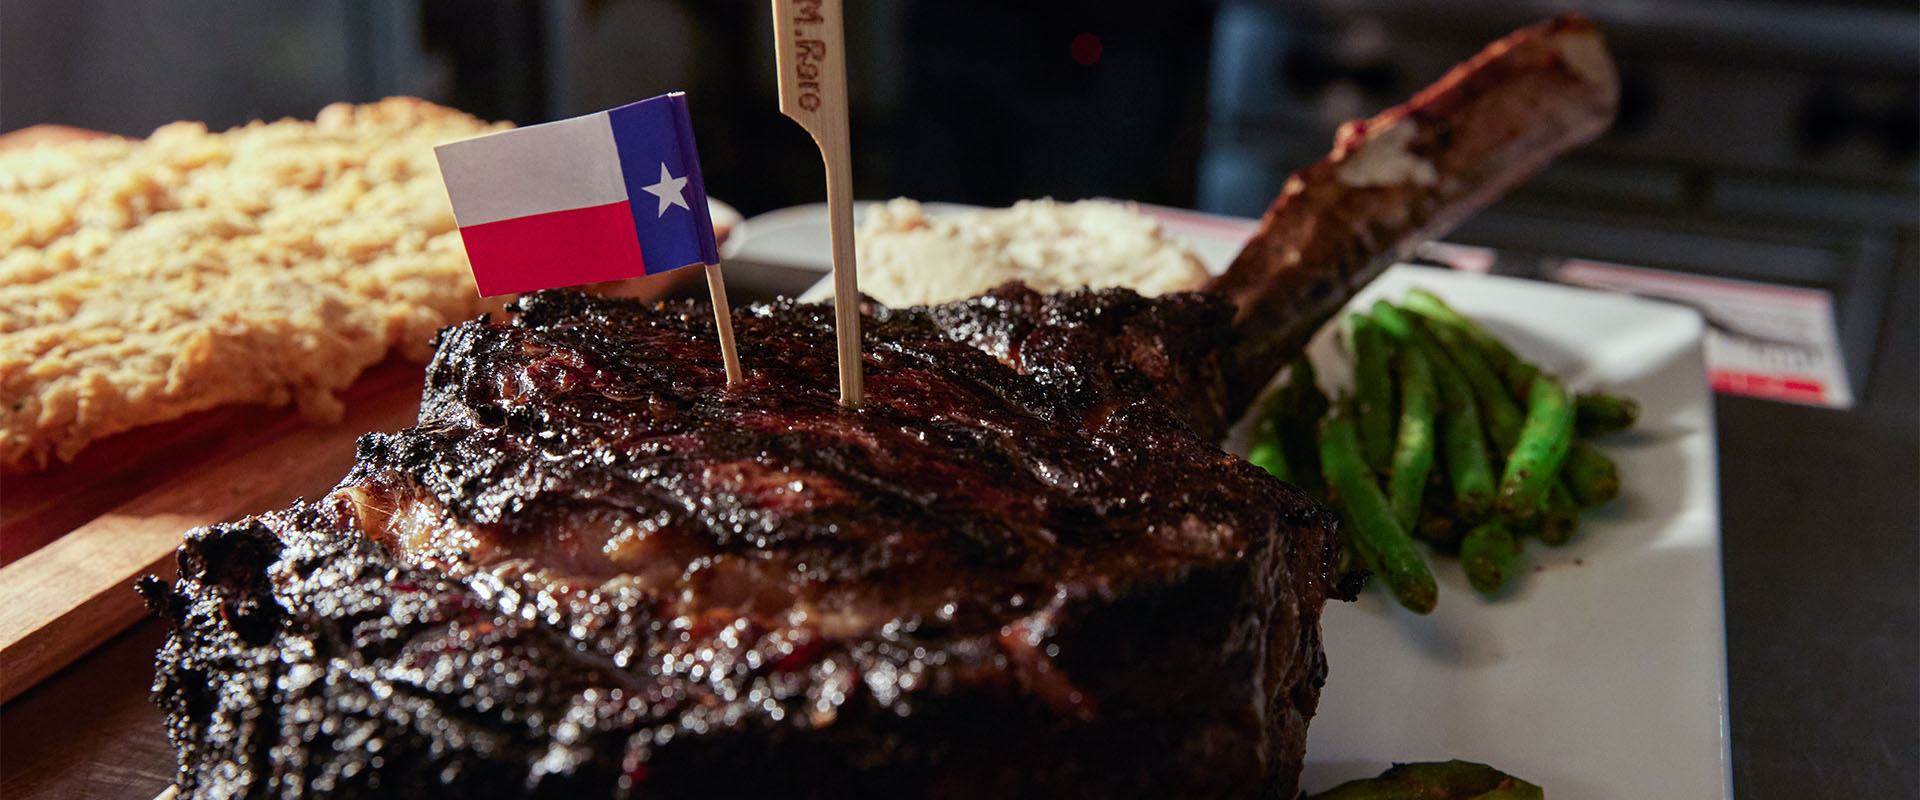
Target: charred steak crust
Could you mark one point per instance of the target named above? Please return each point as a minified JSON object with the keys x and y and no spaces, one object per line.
{"x":1023,"y":570}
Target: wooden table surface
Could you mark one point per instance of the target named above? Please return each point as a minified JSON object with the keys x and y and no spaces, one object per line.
{"x":90,"y":731}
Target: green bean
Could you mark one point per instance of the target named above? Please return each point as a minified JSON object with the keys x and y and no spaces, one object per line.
{"x":1463,"y":443}
{"x":1396,"y":323}
{"x":1598,"y":414}
{"x":1306,"y":397}
{"x":1502,"y":415}
{"x":1560,"y":516}
{"x":1534,"y":463}
{"x":1413,"y":448}
{"x":1591,"y":475}
{"x":1373,"y":391}
{"x":1296,"y":410}
{"x":1491,"y":555}
{"x":1437,"y":780}
{"x":1377,"y":537}
{"x":1266,"y":448}
{"x":1498,"y":356}
{"x":1518,"y":374}
{"x":1265,"y":451}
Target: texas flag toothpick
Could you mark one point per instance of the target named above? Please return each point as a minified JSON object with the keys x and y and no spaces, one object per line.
{"x":606,"y":196}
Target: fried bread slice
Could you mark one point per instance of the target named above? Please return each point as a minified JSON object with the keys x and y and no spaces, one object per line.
{"x":142,"y":280}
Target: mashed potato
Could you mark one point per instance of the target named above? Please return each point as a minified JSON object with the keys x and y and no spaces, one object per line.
{"x":907,"y":258}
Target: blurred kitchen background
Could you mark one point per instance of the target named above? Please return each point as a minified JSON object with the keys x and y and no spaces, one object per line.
{"x":1764,"y":140}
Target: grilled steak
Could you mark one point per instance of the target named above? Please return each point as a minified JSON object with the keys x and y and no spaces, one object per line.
{"x":1022,"y":569}
{"x":591,"y":569}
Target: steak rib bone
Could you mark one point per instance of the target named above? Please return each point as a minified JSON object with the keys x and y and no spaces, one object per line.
{"x":1408,"y":175}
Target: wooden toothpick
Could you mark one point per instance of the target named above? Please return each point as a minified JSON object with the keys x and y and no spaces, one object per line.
{"x":810,"y":47}
{"x":723,"y":320}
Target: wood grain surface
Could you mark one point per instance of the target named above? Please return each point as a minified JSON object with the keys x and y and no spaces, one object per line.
{"x":90,"y":731}
{"x":74,"y":536}
{"x":74,"y":593}
{"x":76,"y":643}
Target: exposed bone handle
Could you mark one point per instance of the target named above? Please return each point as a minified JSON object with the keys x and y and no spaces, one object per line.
{"x":1410,"y":174}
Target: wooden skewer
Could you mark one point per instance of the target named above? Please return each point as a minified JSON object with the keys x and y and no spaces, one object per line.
{"x":810,"y":46}
{"x":723,"y":320}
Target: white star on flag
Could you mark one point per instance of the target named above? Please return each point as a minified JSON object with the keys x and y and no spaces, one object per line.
{"x":668,"y":190}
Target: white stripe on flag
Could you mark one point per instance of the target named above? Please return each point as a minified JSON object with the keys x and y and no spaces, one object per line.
{"x":557,"y":166}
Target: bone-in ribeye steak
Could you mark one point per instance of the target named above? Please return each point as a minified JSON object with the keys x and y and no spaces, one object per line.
{"x":1022,"y":569}
{"x":592,"y":569}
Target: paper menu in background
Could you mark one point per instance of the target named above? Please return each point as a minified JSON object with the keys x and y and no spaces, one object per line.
{"x":1762,"y":340}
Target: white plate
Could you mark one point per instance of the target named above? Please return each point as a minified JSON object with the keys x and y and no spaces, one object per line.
{"x":727,"y":217}
{"x":798,"y":237}
{"x":1602,"y":673}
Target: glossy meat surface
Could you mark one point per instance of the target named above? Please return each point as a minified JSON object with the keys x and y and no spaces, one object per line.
{"x":1022,"y":569}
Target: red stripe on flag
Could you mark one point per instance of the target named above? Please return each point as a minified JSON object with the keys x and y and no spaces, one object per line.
{"x":562,"y":248}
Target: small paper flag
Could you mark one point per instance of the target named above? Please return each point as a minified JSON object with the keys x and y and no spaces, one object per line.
{"x":602,"y":197}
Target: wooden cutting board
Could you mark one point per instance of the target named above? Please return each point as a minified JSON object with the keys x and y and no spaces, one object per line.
{"x":77,"y":537}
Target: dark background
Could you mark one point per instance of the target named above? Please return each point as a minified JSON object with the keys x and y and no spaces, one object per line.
{"x":1769,"y":140}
